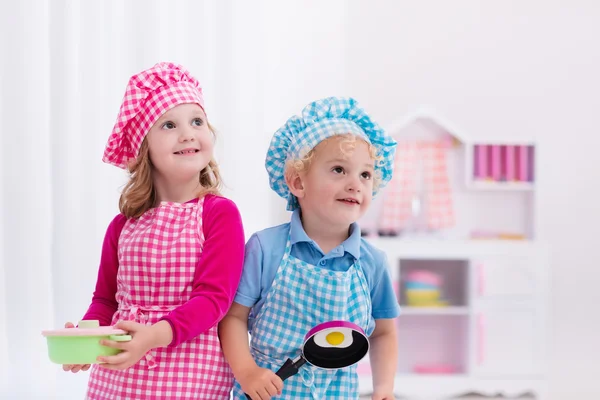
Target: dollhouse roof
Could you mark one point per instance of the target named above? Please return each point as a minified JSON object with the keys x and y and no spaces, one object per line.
{"x":425,"y":123}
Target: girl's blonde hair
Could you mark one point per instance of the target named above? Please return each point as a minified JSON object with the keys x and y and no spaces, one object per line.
{"x":347,"y":142}
{"x":139,"y":194}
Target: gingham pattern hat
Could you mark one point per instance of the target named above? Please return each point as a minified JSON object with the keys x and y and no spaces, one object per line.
{"x":318,"y":121}
{"x":149,"y":95}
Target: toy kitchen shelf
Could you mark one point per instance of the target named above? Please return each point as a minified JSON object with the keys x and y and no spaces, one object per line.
{"x":473,"y":292}
{"x":487,"y":334}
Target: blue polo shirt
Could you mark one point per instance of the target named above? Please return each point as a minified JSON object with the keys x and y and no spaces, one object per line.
{"x":264,"y":252}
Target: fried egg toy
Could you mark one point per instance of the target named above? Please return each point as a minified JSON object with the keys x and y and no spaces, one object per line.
{"x":334,"y":337}
{"x":335,"y":344}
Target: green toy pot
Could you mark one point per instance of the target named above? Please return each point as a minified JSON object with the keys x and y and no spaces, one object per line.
{"x":81,"y":345}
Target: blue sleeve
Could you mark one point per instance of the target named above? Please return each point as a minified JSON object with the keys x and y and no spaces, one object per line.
{"x":248,"y":292}
{"x":383,"y":299}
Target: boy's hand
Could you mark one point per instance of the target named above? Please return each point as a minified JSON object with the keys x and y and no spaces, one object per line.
{"x":74,"y":368}
{"x":260,"y":383}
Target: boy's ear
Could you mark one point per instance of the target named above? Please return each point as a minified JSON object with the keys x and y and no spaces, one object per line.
{"x":294,"y":182}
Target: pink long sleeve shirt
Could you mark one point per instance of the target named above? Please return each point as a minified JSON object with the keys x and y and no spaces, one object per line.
{"x":216,"y":277}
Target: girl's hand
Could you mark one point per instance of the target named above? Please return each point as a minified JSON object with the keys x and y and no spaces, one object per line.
{"x":260,"y":383}
{"x":74,"y":367}
{"x":142,"y":340}
{"x":382,"y":395}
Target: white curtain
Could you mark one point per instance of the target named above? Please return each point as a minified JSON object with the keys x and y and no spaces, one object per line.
{"x":26,"y":200}
{"x":64,"y":65}
{"x":63,"y":70}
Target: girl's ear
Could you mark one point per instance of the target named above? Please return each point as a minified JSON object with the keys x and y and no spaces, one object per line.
{"x":294,"y":182}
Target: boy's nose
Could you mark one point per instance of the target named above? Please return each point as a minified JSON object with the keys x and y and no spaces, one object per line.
{"x":353,"y":186}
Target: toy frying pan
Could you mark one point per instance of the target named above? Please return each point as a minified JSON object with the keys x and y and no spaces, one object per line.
{"x":330,"y":345}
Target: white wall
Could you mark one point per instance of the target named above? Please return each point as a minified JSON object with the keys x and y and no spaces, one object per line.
{"x":304,"y":60}
{"x":282,"y":55}
{"x":514,"y":68}
{"x":3,"y":314}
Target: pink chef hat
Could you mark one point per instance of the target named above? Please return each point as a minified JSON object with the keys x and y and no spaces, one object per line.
{"x":149,"y":95}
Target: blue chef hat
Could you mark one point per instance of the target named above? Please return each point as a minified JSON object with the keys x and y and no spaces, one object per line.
{"x":318,"y":121}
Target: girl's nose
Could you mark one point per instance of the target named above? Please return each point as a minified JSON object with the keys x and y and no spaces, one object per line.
{"x":186,"y":134}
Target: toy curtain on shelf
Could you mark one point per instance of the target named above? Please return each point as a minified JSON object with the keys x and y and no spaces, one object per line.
{"x":419,"y":196}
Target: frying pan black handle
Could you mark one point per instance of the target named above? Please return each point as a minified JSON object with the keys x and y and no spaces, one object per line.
{"x":289,"y":368}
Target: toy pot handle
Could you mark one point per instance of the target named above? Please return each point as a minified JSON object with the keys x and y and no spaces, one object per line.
{"x":120,"y":338}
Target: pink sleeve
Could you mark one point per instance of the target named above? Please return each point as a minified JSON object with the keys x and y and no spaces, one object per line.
{"x":217,"y":274}
{"x":104,"y":304}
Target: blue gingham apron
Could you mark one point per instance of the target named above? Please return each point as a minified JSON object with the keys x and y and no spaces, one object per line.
{"x":302,"y":296}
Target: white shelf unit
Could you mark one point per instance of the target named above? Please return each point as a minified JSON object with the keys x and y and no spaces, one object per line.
{"x":492,"y":331}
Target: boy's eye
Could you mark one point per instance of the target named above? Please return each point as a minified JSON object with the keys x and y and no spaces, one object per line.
{"x":337,"y":170}
{"x":168,"y":125}
{"x":366,"y":175}
{"x":197,"y":122}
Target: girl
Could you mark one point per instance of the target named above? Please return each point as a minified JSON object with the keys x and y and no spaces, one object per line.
{"x":327,"y":163}
{"x":172,"y":259}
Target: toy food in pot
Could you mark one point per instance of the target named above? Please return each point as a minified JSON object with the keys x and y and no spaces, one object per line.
{"x":81,"y":345}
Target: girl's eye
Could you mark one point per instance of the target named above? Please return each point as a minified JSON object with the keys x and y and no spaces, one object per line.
{"x":338,"y":170}
{"x":197,"y":122}
{"x":168,"y":125}
{"x":366,"y":175}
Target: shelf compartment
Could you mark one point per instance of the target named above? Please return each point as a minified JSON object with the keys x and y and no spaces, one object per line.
{"x":443,"y":344}
{"x":503,"y":163}
{"x":453,"y":281}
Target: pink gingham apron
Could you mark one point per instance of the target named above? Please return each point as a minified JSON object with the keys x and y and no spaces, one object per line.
{"x":158,"y":254}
